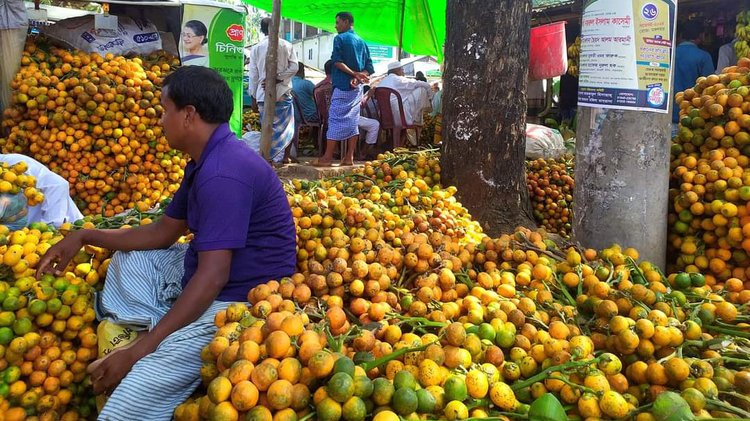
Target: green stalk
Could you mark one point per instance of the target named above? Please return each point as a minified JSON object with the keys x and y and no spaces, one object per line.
{"x":308,"y":416}
{"x":729,"y":408}
{"x":735,"y":395}
{"x":577,"y":386}
{"x":543,"y":374}
{"x":728,"y":331}
{"x":369,"y":365}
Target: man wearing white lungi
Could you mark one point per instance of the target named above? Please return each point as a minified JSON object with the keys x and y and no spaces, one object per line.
{"x":352,"y":67}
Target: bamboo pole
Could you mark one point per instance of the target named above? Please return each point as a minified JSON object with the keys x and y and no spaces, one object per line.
{"x":271,"y":71}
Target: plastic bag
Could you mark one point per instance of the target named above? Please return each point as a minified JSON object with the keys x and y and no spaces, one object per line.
{"x":139,"y":37}
{"x":13,"y":210}
{"x":543,"y":142}
{"x":112,"y":336}
{"x":252,"y":139}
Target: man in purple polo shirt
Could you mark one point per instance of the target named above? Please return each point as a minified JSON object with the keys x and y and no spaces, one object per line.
{"x":234,"y":204}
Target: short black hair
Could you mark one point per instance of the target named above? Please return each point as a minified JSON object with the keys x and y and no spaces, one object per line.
{"x":199,"y":29}
{"x":265,"y":23}
{"x":328,"y":67}
{"x":347,"y":16}
{"x":301,"y":70}
{"x":690,"y":30}
{"x":204,"y":89}
{"x":420,"y":76}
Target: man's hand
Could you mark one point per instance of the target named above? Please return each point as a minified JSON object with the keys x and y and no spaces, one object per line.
{"x":107,"y":373}
{"x":59,"y":255}
{"x":361,"y":77}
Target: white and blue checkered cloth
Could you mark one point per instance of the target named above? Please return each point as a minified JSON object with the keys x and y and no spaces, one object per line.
{"x":141,"y":287}
{"x":343,"y":116}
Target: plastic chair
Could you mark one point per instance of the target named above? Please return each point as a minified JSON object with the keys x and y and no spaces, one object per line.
{"x":387,"y":122}
{"x":322,"y":96}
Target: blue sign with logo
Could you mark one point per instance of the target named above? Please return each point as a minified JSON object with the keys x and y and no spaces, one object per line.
{"x":650,"y":11}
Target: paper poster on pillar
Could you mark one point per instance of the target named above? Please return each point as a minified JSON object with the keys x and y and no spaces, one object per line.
{"x":214,"y":37}
{"x":626,"y":54}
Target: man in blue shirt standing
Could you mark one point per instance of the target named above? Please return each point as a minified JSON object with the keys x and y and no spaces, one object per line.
{"x":352,"y":67}
{"x":690,"y":63}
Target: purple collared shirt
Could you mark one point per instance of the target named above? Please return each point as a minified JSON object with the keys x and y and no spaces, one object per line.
{"x":233,"y":200}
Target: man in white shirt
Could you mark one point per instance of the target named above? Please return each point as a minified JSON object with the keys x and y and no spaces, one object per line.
{"x":13,"y":27}
{"x":415,"y":94}
{"x":283,"y":122}
{"x":57,"y":206}
{"x":727,"y":56}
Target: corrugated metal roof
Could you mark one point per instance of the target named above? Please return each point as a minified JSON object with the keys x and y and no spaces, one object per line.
{"x":546,"y":4}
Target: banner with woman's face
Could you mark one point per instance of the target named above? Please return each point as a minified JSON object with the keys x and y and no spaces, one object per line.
{"x":214,"y":37}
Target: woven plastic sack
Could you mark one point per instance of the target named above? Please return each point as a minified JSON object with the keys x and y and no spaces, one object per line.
{"x":112,"y":336}
{"x":13,"y":210}
{"x":543,"y":142}
{"x":138,"y":37}
{"x":252,"y":139}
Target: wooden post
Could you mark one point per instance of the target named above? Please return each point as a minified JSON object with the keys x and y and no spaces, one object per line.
{"x":271,"y":71}
{"x":401,"y":30}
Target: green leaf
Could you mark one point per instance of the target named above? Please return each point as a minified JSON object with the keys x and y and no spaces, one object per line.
{"x":547,"y":408}
{"x":669,"y":406}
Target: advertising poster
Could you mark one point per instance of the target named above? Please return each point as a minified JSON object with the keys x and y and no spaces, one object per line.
{"x":626,"y":54}
{"x":214,"y":37}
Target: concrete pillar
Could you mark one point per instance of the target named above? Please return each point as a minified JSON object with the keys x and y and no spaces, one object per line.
{"x":622,"y":181}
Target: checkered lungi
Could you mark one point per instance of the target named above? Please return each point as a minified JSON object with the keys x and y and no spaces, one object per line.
{"x":283,"y":126}
{"x":141,"y":287}
{"x":343,"y":115}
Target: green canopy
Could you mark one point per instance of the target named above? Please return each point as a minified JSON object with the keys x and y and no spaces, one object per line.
{"x":380,"y":20}
{"x":375,"y":20}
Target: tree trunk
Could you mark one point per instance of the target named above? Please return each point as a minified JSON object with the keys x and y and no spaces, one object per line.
{"x":269,"y":108}
{"x":484,"y":110}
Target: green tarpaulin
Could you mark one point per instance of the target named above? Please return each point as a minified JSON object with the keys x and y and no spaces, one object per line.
{"x":375,"y":20}
{"x":380,"y":20}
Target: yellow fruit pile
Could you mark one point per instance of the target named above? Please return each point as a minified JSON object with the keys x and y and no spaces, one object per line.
{"x":47,"y":331}
{"x":574,"y":57}
{"x":95,"y":121}
{"x":709,"y":223}
{"x":551,"y":187}
{"x":14,"y":180}
{"x":742,"y":34}
{"x":401,"y":307}
{"x":250,"y":121}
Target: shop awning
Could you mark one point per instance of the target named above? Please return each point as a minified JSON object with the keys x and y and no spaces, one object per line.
{"x":380,"y":20}
{"x":375,"y":20}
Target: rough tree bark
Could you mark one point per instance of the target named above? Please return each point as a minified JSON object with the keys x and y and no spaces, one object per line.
{"x":484,"y":110}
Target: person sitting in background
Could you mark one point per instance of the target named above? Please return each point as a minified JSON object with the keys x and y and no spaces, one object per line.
{"x":57,"y":207}
{"x":328,"y":68}
{"x":303,"y":89}
{"x":690,"y":63}
{"x":370,"y":126}
{"x":415,"y":94}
